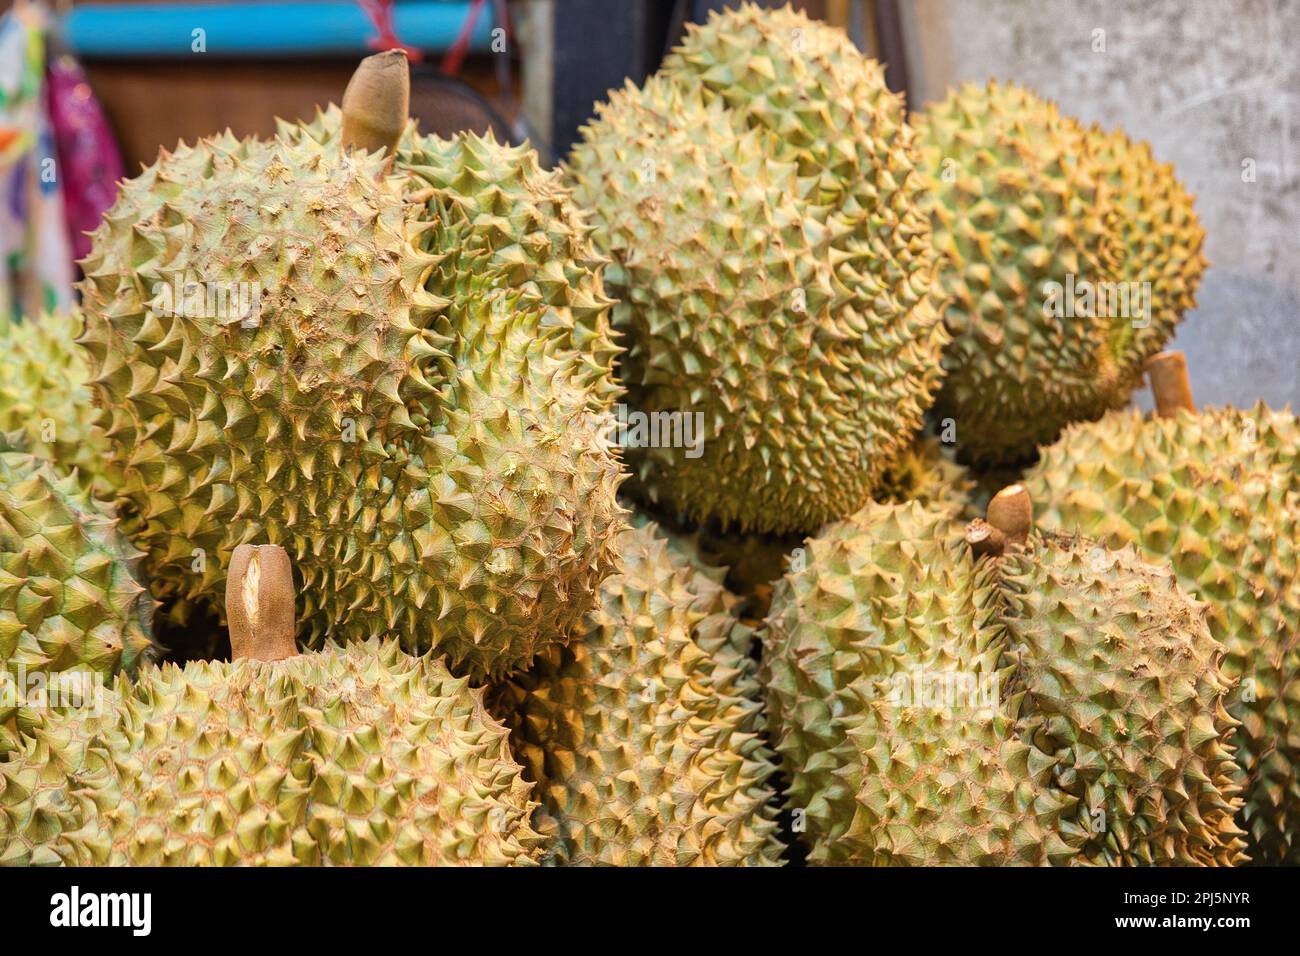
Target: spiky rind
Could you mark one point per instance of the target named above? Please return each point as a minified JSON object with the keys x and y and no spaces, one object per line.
{"x":775,"y":275}
{"x":889,"y":602}
{"x":410,"y":407}
{"x":644,"y":733}
{"x":926,"y":474}
{"x":71,"y":601}
{"x":1217,"y":495}
{"x":1159,"y":241}
{"x":360,"y":755}
{"x":1061,"y":704}
{"x":1024,"y":197}
{"x":1016,"y":204}
{"x":44,"y":393}
{"x":1123,"y":687}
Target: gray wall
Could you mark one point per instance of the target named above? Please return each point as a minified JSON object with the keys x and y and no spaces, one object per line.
{"x":1208,"y":84}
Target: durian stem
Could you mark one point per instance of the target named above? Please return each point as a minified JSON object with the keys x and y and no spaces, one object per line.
{"x":259,"y":603}
{"x":376,"y":103}
{"x":1169,"y":383}
{"x":1010,"y":519}
{"x":985,"y":539}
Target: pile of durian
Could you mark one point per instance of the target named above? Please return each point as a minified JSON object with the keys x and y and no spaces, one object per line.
{"x":900,"y":577}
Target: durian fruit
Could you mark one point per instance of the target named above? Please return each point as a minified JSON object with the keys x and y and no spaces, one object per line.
{"x":643,"y":734}
{"x":409,"y":406}
{"x":1123,"y":684}
{"x":71,"y":601}
{"x":356,"y":755}
{"x":1217,"y":495}
{"x":995,"y":697}
{"x":1159,"y":240}
{"x":44,"y":393}
{"x":889,"y":604}
{"x":760,"y":204}
{"x":1037,"y":221}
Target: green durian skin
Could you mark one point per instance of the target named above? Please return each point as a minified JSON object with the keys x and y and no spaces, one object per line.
{"x":644,"y":733}
{"x":1023,"y":196}
{"x":1217,"y":495}
{"x":1089,"y":727}
{"x":71,"y":601}
{"x":412,"y":409}
{"x":361,"y":755}
{"x":878,"y":776}
{"x":45,"y":394}
{"x":1123,"y":683}
{"x":760,"y":205}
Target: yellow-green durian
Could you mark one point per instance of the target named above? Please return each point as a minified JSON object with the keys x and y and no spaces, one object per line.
{"x":760,"y":205}
{"x":72,"y":606}
{"x":408,"y":393}
{"x":1217,"y":495}
{"x":643,"y":734}
{"x":44,"y":393}
{"x":359,"y":754}
{"x":1056,"y":705}
{"x":1068,"y":256}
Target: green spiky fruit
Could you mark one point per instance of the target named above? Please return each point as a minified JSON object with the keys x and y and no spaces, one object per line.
{"x":70,"y":594}
{"x":1159,"y":240}
{"x":934,"y":708}
{"x":1217,"y":495}
{"x":644,"y":741}
{"x":1124,"y":685}
{"x":1026,"y":206}
{"x":362,"y":755}
{"x":410,"y":406}
{"x":44,"y":394}
{"x":760,"y":205}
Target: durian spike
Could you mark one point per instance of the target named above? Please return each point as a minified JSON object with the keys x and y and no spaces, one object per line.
{"x":376,"y":103}
{"x":1009,"y":521}
{"x":1169,"y":383}
{"x":259,"y":603}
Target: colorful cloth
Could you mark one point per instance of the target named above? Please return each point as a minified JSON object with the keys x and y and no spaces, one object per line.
{"x":36,"y":268}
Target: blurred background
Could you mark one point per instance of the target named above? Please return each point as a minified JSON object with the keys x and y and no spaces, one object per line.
{"x":89,"y":91}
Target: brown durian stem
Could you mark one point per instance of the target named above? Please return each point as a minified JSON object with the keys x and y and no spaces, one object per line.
{"x":377,"y":103}
{"x":984,"y":538}
{"x":259,"y":603}
{"x":1169,"y":383}
{"x":1010,"y":519}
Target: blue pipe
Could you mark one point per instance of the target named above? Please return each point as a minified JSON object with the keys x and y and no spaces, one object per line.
{"x":262,"y":29}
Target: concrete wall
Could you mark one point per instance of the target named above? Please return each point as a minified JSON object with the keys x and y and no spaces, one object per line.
{"x":1209,"y":85}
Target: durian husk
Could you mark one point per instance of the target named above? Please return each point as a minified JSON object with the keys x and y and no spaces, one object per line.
{"x":1023,"y":196}
{"x":644,"y":735}
{"x":1083,"y":720}
{"x":72,"y":606}
{"x":45,"y":394}
{"x":361,"y":755}
{"x":759,"y":203}
{"x":413,"y":408}
{"x":1217,"y":495}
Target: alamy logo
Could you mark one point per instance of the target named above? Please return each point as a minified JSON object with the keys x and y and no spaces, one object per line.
{"x":39,"y":690}
{"x":228,"y":302}
{"x":74,"y":908}
{"x":946,"y":690}
{"x":1084,"y":299}
{"x":635,"y":429}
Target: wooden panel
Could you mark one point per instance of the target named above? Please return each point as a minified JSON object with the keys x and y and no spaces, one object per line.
{"x":156,"y":103}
